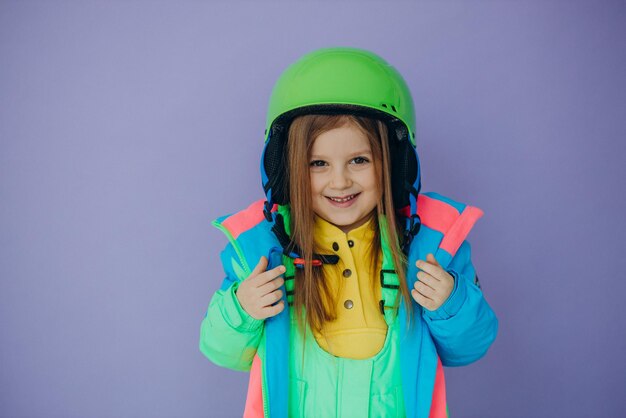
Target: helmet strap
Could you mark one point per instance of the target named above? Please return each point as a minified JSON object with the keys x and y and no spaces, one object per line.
{"x":267,"y":210}
{"x":413,"y":222}
{"x":291,"y":250}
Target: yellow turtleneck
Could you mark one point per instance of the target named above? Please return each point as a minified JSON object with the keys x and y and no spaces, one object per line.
{"x":360,"y":329}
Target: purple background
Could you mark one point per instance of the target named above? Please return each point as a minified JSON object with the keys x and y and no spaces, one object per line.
{"x":126,"y":127}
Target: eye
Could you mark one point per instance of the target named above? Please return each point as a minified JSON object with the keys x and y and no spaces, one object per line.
{"x":360,"y":160}
{"x":317,"y":163}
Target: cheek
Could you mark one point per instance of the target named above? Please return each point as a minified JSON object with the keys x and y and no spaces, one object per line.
{"x":372,"y":184}
{"x":317,"y":184}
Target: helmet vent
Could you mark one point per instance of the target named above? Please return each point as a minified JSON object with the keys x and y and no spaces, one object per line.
{"x":386,"y":106}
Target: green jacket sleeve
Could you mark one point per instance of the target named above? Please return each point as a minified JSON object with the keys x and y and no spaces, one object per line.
{"x":229,"y":336}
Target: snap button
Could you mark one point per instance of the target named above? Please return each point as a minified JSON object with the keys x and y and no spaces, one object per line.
{"x":348,"y":304}
{"x":347,"y":273}
{"x":350,"y":243}
{"x":335,"y":246}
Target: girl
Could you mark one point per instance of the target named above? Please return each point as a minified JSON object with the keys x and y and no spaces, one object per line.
{"x":346,"y":289}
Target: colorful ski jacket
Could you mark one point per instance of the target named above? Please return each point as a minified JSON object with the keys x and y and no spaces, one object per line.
{"x":457,"y":333}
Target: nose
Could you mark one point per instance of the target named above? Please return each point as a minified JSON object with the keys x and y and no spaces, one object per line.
{"x":340,"y":179}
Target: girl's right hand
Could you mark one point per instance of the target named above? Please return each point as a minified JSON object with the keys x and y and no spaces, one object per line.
{"x":258,"y":293}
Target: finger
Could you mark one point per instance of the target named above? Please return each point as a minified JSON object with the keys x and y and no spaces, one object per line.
{"x":428,"y":280}
{"x":271,"y":285}
{"x":414,"y":290}
{"x":273,"y":310}
{"x":271,"y":298}
{"x":421,"y":299}
{"x":433,"y":270}
{"x":269,"y":275}
{"x":425,"y":290}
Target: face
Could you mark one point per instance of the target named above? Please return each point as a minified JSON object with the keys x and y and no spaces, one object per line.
{"x":343,"y":178}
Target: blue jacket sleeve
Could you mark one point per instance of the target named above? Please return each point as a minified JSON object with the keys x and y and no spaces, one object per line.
{"x":465,"y":326}
{"x":229,"y":336}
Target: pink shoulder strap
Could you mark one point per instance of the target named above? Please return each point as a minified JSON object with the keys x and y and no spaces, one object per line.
{"x":245,"y":219}
{"x":445,"y":218}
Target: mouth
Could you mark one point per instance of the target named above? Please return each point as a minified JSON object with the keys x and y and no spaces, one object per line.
{"x":342,"y":200}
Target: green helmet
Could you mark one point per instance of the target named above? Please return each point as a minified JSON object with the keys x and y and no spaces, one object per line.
{"x":342,"y":81}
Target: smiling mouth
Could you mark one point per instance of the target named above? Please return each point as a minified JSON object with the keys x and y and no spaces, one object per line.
{"x":343,"y":199}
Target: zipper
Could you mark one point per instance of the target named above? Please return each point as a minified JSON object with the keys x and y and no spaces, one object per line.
{"x":266,"y":412}
{"x":248,"y":271}
{"x":233,"y":241}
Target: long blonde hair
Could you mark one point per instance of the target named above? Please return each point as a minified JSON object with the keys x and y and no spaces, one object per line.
{"x":311,"y":288}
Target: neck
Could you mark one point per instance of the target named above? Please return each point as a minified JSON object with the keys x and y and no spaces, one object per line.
{"x":363,"y":221}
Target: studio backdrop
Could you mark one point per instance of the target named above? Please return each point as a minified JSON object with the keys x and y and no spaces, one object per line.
{"x":126,"y":127}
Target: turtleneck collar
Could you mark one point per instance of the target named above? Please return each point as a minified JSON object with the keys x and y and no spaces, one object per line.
{"x":327,"y":233}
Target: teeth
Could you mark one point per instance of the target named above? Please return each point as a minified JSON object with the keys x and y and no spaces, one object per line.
{"x":336,"y":199}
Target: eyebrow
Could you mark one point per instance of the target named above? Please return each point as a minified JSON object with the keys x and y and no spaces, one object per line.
{"x":352,"y":155}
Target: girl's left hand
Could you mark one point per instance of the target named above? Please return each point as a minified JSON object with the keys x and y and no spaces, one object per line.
{"x":434,"y":284}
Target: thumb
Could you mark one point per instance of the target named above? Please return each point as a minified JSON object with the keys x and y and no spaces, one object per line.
{"x":431,"y":259}
{"x":260,"y":267}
